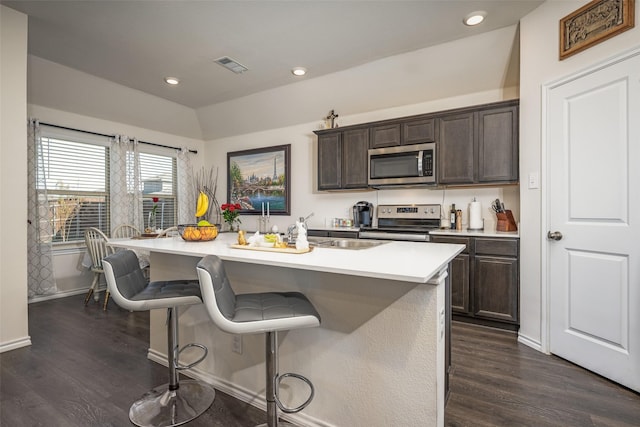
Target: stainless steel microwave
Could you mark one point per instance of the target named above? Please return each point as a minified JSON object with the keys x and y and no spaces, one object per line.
{"x":404,"y":164}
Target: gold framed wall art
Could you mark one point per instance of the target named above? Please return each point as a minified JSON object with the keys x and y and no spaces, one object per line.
{"x":593,"y":23}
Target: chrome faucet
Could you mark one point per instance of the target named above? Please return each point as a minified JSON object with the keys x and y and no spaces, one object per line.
{"x":292,"y":230}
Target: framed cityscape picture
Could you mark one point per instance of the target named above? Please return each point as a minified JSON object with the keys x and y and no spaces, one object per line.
{"x":259,"y":180}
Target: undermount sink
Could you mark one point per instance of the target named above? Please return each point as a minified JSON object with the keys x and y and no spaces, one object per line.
{"x":329,"y":242}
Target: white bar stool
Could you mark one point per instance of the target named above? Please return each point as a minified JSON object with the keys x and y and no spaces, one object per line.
{"x":267,"y":312}
{"x":177,"y":402}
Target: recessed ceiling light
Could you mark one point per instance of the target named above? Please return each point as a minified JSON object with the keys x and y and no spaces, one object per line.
{"x":299,"y":71}
{"x":171,"y":80}
{"x":474,"y":18}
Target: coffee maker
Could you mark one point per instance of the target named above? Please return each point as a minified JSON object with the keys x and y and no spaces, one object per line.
{"x":363,"y":214}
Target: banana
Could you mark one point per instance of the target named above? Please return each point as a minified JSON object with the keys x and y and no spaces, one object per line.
{"x":203,"y":204}
{"x":199,"y":203}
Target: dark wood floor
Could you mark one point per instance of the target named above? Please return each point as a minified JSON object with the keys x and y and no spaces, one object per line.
{"x":85,"y":368}
{"x":497,"y":382}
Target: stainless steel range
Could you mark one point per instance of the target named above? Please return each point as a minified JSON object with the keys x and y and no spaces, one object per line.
{"x":404,"y":222}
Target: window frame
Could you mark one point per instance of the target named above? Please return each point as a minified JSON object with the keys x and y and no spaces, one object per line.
{"x":53,"y":133}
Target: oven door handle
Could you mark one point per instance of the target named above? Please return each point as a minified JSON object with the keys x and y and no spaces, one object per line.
{"x":411,"y":237}
{"x":420,"y":169}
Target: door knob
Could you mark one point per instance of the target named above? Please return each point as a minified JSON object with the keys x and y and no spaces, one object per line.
{"x":555,"y":235}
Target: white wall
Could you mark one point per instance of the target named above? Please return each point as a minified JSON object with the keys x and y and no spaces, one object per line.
{"x":13,"y":180}
{"x":540,"y":65}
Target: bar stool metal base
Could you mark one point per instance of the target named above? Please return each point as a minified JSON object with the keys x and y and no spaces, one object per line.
{"x":162,"y":407}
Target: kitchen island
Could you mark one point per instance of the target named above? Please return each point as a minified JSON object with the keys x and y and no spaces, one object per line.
{"x":377,"y":359}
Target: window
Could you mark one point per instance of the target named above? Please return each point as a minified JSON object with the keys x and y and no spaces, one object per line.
{"x":76,"y":175}
{"x":75,"y":170}
{"x":158,"y":176}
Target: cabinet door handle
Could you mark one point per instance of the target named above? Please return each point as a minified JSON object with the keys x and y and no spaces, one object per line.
{"x":554,"y":235}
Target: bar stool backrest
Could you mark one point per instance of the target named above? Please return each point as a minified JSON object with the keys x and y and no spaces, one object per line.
{"x":216,"y":290}
{"x":124,"y":278}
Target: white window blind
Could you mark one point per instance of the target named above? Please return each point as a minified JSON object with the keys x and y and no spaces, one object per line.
{"x":159,"y":187}
{"x":76,"y":176}
{"x":74,"y":167}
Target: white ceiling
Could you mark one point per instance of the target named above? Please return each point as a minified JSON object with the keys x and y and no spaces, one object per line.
{"x":138,"y":43}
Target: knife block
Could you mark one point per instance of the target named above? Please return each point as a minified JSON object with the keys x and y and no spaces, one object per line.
{"x":506,"y":222}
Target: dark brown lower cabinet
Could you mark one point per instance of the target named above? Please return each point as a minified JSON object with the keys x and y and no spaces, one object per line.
{"x":459,"y":271}
{"x":496,"y":293}
{"x":485,"y":281}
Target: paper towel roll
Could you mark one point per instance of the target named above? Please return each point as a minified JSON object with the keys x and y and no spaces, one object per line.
{"x":475,"y":216}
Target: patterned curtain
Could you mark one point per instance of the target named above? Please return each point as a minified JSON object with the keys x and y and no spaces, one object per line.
{"x":41,"y":280}
{"x":125,"y":183}
{"x":186,"y":195}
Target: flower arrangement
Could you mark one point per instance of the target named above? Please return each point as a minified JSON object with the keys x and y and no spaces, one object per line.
{"x":231,"y":213}
{"x":151,"y":225}
{"x":155,"y":205}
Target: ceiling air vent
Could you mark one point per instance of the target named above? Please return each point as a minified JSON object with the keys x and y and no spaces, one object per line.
{"x":231,"y":64}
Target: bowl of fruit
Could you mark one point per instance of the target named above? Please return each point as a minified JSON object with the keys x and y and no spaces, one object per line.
{"x":199,"y":232}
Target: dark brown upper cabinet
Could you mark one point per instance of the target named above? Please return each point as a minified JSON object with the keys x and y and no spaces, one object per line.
{"x":476,"y":146}
{"x":385,"y":135}
{"x":403,"y":132}
{"x":342,"y":159}
{"x":498,"y":144}
{"x":457,"y":143}
{"x":330,"y":161}
{"x":480,"y":145}
{"x":419,"y":131}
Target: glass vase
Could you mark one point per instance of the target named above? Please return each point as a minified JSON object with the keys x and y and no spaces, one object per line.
{"x":151,"y":222}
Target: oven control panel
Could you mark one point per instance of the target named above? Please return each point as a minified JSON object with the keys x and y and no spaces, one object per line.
{"x":419,"y":212}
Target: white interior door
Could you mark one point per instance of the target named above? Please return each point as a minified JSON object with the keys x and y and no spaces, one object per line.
{"x":593,"y":202}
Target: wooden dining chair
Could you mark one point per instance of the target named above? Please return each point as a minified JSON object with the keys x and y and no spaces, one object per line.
{"x":97,"y":247}
{"x":125,"y":231}
{"x":165,"y":232}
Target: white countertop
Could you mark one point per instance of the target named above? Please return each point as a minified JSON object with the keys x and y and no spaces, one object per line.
{"x":477,"y":233}
{"x":402,"y":261}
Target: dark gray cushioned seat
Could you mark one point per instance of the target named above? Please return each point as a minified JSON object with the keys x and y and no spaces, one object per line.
{"x":251,"y":313}
{"x":272,"y":305}
{"x":130,"y":289}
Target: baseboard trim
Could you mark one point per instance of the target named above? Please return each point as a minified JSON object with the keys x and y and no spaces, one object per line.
{"x":15,"y":344}
{"x":530,"y":343}
{"x":240,"y":393}
{"x":63,"y":294}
